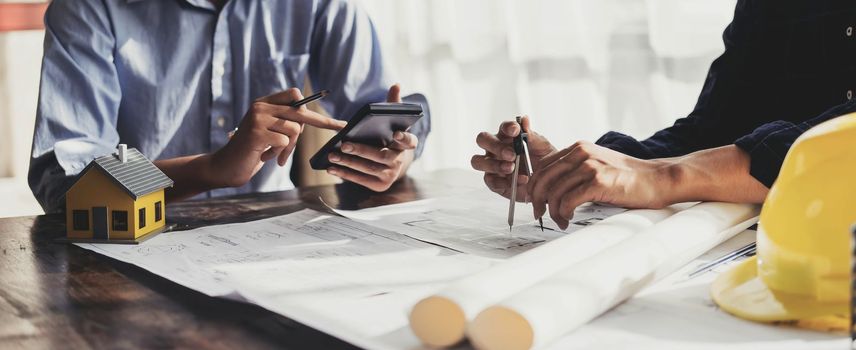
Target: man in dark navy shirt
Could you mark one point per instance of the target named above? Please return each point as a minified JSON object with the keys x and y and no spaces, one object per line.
{"x":787,"y":66}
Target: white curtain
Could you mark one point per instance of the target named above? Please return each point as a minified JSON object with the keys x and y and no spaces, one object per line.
{"x":578,"y":67}
{"x":20,"y":60}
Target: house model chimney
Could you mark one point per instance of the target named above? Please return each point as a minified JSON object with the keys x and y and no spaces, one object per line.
{"x":122,"y":152}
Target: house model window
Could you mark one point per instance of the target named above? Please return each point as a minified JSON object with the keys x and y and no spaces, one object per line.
{"x":158,"y":211}
{"x":120,"y":220}
{"x":142,"y":218}
{"x":81,"y":219}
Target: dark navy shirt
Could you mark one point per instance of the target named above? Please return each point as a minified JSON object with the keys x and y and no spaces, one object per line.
{"x":787,"y":66}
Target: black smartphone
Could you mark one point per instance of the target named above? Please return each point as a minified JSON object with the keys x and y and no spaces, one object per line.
{"x":372,"y":125}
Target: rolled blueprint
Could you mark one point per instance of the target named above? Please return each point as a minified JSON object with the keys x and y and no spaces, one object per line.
{"x":572,"y":297}
{"x":441,"y":319}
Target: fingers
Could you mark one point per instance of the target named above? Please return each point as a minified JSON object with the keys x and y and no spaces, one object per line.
{"x":402,"y":140}
{"x":508,"y":130}
{"x":262,"y":140}
{"x":542,"y":182}
{"x":494,"y":146}
{"x":551,"y":166}
{"x":570,"y":201}
{"x":283,"y":156}
{"x":385,"y":156}
{"x":553,"y":157}
{"x":491,"y":166}
{"x":359,"y":164}
{"x":394,"y":94}
{"x":305,"y":116}
{"x":288,"y":128}
{"x":283,"y":98}
{"x":300,"y":115}
{"x":264,"y":132}
{"x":571,"y":183}
{"x":271,"y":153}
{"x":369,"y":181}
{"x":499,"y":157}
{"x":502,"y":185}
{"x":526,"y":123}
{"x":269,"y":144}
{"x":382,"y":165}
{"x":262,"y":127}
{"x":282,"y":126}
{"x":279,"y":102}
{"x":496,"y":183}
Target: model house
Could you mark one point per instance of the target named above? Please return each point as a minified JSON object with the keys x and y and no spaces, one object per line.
{"x":117,"y":197}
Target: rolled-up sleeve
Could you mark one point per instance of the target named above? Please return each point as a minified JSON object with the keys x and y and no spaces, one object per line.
{"x":79,"y":98}
{"x":346,"y":58}
{"x":769,"y":143}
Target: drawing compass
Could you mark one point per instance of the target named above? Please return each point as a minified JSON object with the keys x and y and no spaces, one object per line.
{"x":521,"y":148}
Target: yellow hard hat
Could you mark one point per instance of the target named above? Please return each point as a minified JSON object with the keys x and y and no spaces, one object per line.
{"x":801,"y":273}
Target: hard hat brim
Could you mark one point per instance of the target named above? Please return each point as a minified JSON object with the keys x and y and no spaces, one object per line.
{"x":740,"y":292}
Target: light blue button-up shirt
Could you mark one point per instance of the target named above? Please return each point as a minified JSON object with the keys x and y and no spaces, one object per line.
{"x":171,"y":78}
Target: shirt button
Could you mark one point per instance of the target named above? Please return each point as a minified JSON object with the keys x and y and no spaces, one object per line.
{"x":849,"y":94}
{"x":219,"y":70}
{"x":221,"y":121}
{"x":849,"y":31}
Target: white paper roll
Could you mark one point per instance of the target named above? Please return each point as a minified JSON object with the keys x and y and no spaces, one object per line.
{"x":572,"y":297}
{"x":441,"y":319}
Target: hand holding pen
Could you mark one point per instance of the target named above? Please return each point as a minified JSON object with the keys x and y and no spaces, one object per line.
{"x":497,"y":162}
{"x":268,"y":130}
{"x":296,"y":104}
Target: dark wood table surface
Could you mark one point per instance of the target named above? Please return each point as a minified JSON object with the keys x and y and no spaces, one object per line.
{"x":58,"y":296}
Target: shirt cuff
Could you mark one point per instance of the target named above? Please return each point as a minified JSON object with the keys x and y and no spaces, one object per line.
{"x":626,"y":144}
{"x":767,"y":147}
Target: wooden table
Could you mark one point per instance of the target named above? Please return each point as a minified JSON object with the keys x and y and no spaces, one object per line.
{"x":59,"y":296}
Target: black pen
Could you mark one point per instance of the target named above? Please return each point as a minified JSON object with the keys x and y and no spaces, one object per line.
{"x":296,"y":104}
{"x":748,"y":249}
{"x":316,"y":96}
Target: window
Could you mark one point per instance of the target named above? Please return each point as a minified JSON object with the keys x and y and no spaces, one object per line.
{"x":120,"y":220}
{"x":158,"y":211}
{"x":142,"y":217}
{"x":80,"y":220}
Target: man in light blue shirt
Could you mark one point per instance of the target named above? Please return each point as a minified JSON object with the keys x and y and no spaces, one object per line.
{"x":171,"y":78}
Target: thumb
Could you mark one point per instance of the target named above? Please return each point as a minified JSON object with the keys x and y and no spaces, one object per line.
{"x":394,"y":94}
{"x":526,"y":123}
{"x":537,"y":142}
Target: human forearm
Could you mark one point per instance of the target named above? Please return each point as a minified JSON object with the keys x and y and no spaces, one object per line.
{"x":585,"y":172}
{"x":191,"y":175}
{"x":717,"y":174}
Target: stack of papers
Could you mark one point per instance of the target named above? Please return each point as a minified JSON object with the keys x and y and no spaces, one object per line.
{"x":357,"y":279}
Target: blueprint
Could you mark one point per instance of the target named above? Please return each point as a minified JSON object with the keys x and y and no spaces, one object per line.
{"x":189,"y":257}
{"x":358,"y":281}
{"x":351,"y":297}
{"x":370,"y":312}
{"x":475,"y":222}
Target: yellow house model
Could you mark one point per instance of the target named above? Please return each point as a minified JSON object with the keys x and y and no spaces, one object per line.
{"x":117,"y":198}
